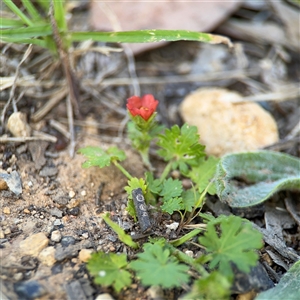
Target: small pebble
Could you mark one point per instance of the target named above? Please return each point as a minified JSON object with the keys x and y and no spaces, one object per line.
{"x":57,"y":222}
{"x":85,"y":235}
{"x":73,"y":203}
{"x":105,"y":296}
{"x":189,"y":253}
{"x":30,"y":289}
{"x":55,"y":236}
{"x":2,"y":235}
{"x":71,"y":194}
{"x":85,"y":254}
{"x":67,"y":240}
{"x":18,"y":276}
{"x":47,"y":256}
{"x":34,"y":244}
{"x":7,"y":231}
{"x":74,"y":211}
{"x":6,"y":210}
{"x":83,"y":193}
{"x":56,"y":212}
{"x":26,"y":211}
{"x":30,"y":184}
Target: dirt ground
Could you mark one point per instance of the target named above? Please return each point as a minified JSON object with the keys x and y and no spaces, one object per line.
{"x":49,"y":229}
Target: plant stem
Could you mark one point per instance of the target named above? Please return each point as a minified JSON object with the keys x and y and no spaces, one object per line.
{"x":188,"y":260}
{"x":166,"y":171}
{"x":122,"y":170}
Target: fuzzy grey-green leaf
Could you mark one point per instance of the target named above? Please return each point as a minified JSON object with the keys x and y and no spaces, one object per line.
{"x":249,"y":178}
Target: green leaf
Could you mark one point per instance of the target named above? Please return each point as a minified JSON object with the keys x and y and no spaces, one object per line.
{"x":125,"y":238}
{"x":9,"y":23}
{"x":215,"y":286}
{"x":287,"y":288}
{"x":155,"y":266}
{"x":149,"y":36}
{"x":10,"y":4}
{"x":154,"y":185}
{"x":34,"y":14}
{"x":246,"y":179}
{"x":236,"y":244}
{"x":26,"y":32}
{"x":204,"y":173}
{"x":135,"y":183}
{"x":109,"y":269}
{"x":100,"y":158}
{"x":60,"y":14}
{"x":189,"y":199}
{"x":182,"y":146}
{"x":171,"y":188}
{"x":172,"y":204}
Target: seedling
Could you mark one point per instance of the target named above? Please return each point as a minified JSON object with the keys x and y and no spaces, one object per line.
{"x":228,"y":240}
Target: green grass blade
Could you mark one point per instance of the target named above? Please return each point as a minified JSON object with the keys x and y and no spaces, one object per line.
{"x":59,"y":14}
{"x":45,"y":4}
{"x":10,"y":23}
{"x":38,"y":42}
{"x":18,"y":12}
{"x":148,"y":36}
{"x":26,"y":32}
{"x":31,"y":9}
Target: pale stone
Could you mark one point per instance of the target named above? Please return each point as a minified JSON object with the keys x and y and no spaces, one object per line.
{"x":47,"y":256}
{"x":226,"y":124}
{"x":105,"y":296}
{"x":34,"y":244}
{"x":17,"y":125}
{"x":85,"y":254}
{"x":6,"y":210}
{"x":55,"y":236}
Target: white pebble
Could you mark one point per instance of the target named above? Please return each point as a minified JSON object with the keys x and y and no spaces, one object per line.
{"x":55,"y":236}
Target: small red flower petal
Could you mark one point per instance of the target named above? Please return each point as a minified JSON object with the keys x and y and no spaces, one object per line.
{"x":143,"y":107}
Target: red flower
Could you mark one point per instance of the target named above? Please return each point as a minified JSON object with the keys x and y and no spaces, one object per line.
{"x":144,"y":106}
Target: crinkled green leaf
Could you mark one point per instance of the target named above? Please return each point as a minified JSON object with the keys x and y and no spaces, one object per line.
{"x":181,"y":145}
{"x":287,"y":288}
{"x":215,"y":286}
{"x":172,"y":204}
{"x":189,"y":198}
{"x":154,"y":185}
{"x":171,"y":188}
{"x":236,"y":243}
{"x":155,"y":266}
{"x":109,"y":270}
{"x":246,"y":179}
{"x":134,"y":183}
{"x":204,"y":173}
{"x":100,"y":158}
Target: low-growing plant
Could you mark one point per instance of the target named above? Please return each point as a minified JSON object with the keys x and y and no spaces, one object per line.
{"x":228,"y":240}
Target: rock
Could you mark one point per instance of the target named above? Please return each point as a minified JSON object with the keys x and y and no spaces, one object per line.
{"x":75,"y":291}
{"x":37,"y":151}
{"x":47,"y":256}
{"x":226,"y":124}
{"x":14,"y":182}
{"x":55,"y":236}
{"x":104,"y":296}
{"x":67,"y":240}
{"x":48,"y":171}
{"x":29,"y":289}
{"x":17,"y":125}
{"x":6,"y":210}
{"x":74,"y":211}
{"x":85,"y":254}
{"x":3,"y":184}
{"x":62,"y":253}
{"x":56,"y":212}
{"x":34,"y":244}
